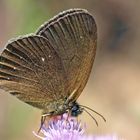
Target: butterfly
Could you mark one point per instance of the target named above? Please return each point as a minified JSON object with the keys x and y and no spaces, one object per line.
{"x":50,"y":68}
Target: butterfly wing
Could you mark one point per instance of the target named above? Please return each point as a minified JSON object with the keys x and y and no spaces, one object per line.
{"x":73,"y":34}
{"x":31,"y":70}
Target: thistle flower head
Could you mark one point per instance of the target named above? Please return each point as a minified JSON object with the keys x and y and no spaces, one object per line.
{"x":62,"y":129}
{"x":71,"y":129}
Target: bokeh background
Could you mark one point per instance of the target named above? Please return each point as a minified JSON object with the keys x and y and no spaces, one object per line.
{"x":113,"y":88}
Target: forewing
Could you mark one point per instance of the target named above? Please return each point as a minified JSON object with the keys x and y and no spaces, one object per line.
{"x":31,"y":70}
{"x":73,"y":34}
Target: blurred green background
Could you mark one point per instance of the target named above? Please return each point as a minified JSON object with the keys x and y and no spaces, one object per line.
{"x":114,"y":85}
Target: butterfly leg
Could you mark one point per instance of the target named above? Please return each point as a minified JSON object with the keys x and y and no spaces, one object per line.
{"x":43,"y":118}
{"x":67,"y":118}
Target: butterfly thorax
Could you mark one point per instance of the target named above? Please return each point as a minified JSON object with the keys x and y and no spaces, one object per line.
{"x":60,"y":107}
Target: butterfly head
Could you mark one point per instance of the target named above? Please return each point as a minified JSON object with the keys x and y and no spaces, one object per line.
{"x":75,"y":109}
{"x":72,"y":107}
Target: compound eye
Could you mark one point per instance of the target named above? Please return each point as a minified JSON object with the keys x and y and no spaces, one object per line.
{"x":75,"y":108}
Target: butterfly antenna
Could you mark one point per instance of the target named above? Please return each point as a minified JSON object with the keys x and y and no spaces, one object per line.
{"x":94,"y":112}
{"x":91,"y":116}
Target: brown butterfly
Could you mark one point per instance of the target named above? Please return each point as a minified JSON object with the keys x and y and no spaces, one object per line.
{"x":49,"y":69}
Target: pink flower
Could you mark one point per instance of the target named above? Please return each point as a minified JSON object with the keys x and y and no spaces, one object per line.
{"x":70,"y":129}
